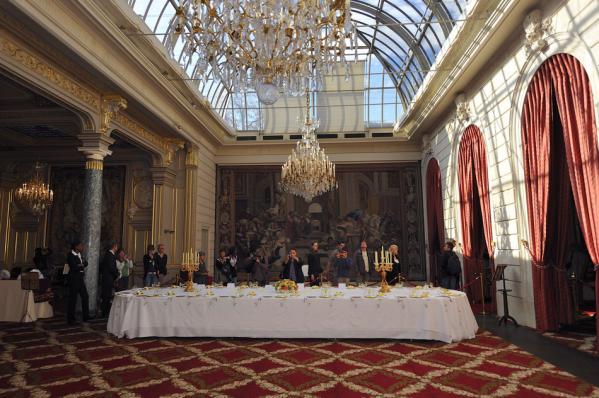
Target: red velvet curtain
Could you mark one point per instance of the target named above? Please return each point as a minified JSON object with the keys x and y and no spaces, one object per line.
{"x":561,"y":79}
{"x":474,"y":195}
{"x":577,"y":113}
{"x":434,"y":220}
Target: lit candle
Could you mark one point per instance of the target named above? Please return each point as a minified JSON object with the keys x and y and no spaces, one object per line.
{"x":376,"y":257}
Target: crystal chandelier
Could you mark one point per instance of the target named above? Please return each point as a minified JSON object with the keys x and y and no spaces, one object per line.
{"x":308,"y":171}
{"x":34,"y":196}
{"x":271,"y":46}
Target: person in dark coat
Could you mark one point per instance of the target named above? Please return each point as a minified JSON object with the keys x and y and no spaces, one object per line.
{"x":292,"y":268}
{"x":76,"y":283}
{"x":450,"y":267}
{"x":161,"y":261}
{"x":221,"y":267}
{"x":314,"y":267}
{"x":109,"y":273}
{"x":231,"y":265}
{"x":259,"y":269}
{"x":150,"y":268}
{"x":364,"y":263}
{"x":342,"y":266}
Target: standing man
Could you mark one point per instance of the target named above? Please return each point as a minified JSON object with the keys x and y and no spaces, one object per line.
{"x":342,"y":266}
{"x":293,"y":267}
{"x":161,"y":260}
{"x":259,"y":269}
{"x":221,"y":267}
{"x":333,"y":257}
{"x":150,"y":269}
{"x":363,"y":262}
{"x":314,"y":267}
{"x":109,"y":273}
{"x":76,"y":283}
{"x":451,"y":268}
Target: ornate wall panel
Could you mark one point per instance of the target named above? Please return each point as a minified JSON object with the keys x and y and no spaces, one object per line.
{"x":379,"y":203}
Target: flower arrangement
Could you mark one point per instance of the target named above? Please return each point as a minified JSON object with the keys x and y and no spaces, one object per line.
{"x":286,"y":286}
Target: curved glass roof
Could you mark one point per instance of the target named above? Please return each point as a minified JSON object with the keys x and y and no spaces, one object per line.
{"x":398,"y":40}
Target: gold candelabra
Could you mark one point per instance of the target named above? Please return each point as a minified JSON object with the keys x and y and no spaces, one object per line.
{"x":190,"y":265}
{"x":383,"y":266}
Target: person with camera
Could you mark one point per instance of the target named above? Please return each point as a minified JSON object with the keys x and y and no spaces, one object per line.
{"x":451,"y":268}
{"x":76,"y":283}
{"x":292,"y":268}
{"x":258,"y":269}
{"x":221,"y":268}
{"x":342,"y":266}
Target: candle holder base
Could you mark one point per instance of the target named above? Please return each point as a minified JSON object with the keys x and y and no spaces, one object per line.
{"x":384,"y":288}
{"x":189,"y":287}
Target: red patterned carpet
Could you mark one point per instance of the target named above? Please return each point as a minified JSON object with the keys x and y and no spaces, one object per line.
{"x":580,"y":341}
{"x":51,"y":359}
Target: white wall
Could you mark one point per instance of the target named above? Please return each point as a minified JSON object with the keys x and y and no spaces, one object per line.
{"x":495,"y":102}
{"x":206,"y":202}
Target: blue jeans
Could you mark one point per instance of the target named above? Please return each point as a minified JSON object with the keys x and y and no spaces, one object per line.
{"x":151,"y":279}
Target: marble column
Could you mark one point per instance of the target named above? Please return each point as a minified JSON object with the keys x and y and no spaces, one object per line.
{"x":95,"y":147}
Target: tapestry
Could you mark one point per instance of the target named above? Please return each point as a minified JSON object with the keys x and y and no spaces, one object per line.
{"x":65,"y":223}
{"x":379,"y":204}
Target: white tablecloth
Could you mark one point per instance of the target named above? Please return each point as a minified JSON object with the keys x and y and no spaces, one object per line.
{"x":346,"y":313}
{"x":17,"y":305}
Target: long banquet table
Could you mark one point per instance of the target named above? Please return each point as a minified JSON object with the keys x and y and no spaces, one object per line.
{"x":404,"y":313}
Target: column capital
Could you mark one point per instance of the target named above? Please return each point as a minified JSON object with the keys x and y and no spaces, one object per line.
{"x":191,"y":156}
{"x":173,"y":145}
{"x":95,"y":146}
{"x":163,"y":176}
{"x":111,"y":105}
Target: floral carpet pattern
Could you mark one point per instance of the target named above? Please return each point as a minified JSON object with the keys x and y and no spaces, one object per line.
{"x":580,"y":341}
{"x":52,"y":359}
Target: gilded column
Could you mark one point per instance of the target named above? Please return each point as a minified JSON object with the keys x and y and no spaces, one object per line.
{"x":191,"y":176}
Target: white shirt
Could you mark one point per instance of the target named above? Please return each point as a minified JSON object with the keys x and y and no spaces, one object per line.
{"x":78,"y":255}
{"x":365,"y":258}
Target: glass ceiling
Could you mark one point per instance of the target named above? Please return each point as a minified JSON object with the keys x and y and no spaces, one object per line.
{"x":398,"y":42}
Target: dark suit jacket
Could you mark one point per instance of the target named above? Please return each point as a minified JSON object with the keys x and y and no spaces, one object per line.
{"x":161,"y":263}
{"x":359,"y":262}
{"x":76,"y":268}
{"x":314,"y":267}
{"x":299,"y":275}
{"x":108,"y":270}
{"x":149,"y":264}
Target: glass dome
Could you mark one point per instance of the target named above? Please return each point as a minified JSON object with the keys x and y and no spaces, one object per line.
{"x":398,"y":44}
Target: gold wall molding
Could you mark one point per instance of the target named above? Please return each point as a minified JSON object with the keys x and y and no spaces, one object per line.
{"x":111,"y":105}
{"x":166,"y":146}
{"x":48,"y":72}
{"x":94,"y":164}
